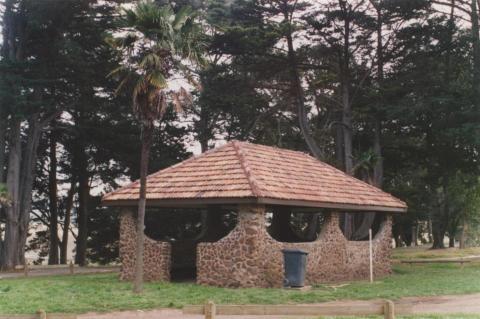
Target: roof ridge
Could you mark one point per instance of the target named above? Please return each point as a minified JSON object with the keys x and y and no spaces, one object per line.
{"x":275,"y":147}
{"x":243,"y":163}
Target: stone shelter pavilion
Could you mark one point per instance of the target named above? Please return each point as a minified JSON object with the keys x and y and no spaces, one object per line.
{"x":254,"y":179}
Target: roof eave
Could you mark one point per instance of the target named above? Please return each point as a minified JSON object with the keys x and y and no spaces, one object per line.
{"x":202,"y":202}
{"x":341,"y":206}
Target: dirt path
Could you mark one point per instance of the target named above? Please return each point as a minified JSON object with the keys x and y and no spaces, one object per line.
{"x":466,"y":304}
{"x":461,"y":304}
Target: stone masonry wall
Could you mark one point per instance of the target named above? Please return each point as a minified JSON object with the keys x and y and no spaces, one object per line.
{"x":250,"y":257}
{"x":236,"y":260}
{"x":156,"y":254}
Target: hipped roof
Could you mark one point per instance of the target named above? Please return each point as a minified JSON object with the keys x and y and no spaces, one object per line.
{"x":241,"y":172}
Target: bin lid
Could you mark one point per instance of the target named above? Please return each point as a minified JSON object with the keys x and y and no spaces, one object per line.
{"x":294,"y":251}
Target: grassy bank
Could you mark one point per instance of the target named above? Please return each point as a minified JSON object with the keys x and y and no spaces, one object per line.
{"x":103,"y":292}
{"x":424,"y":252}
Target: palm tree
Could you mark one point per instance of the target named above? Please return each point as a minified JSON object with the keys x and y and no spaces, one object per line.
{"x":157,"y":43}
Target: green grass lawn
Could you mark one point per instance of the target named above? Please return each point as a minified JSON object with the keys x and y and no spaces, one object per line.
{"x":104,"y":292}
{"x":424,"y":252}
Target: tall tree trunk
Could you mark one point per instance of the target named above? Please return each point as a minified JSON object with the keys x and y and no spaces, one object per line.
{"x":345,"y":84}
{"x":299,"y":97}
{"x":53,"y":201}
{"x":429,"y":230}
{"x":146,"y":136}
{"x":204,"y":133}
{"x":377,"y":150}
{"x":463,"y":234}
{"x":298,"y":93}
{"x":66,"y":222}
{"x":377,"y":146}
{"x":7,"y":25}
{"x":476,"y":51}
{"x":361,"y":231}
{"x":3,"y":133}
{"x":438,"y":235}
{"x":12,"y":212}
{"x":415,"y":234}
{"x":83,"y":198}
{"x":439,"y":224}
{"x":11,"y":31}
{"x":203,"y":144}
{"x":20,"y":172}
{"x":346,"y":103}
{"x":339,"y":143}
{"x":28,"y":175}
{"x":448,"y":53}
{"x":20,"y":177}
{"x":280,"y":227}
{"x":451,"y":241}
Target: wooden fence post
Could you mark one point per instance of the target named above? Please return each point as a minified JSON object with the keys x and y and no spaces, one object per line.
{"x":25,"y":269}
{"x":41,"y":314}
{"x":389,"y":309}
{"x":370,"y":253}
{"x":210,"y":310}
{"x":71,"y":268}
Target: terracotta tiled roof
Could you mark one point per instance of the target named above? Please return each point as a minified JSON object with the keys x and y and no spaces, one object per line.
{"x":240,"y":172}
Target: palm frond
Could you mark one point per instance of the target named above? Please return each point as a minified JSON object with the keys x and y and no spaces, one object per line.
{"x":157,"y":80}
{"x":151,"y":61}
{"x":159,"y":41}
{"x":184,"y":14}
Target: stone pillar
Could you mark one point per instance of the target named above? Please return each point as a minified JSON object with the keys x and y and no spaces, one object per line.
{"x":383,"y":248}
{"x":251,"y":221}
{"x":237,"y":259}
{"x":127,"y":244}
{"x":156,"y":253}
{"x":358,"y":254}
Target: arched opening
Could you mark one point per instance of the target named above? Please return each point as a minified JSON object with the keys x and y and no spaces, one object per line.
{"x":355,"y":226}
{"x":285,"y":224}
{"x":184,"y":228}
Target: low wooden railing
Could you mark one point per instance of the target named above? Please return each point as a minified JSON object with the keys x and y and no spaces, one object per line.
{"x":26,"y":268}
{"x":45,"y":270}
{"x":460,"y":261}
{"x":210,"y":310}
{"x":40,"y":314}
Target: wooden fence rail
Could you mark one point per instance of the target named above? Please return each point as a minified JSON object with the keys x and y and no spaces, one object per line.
{"x":460,"y":261}
{"x":41,"y":314}
{"x":26,"y":268}
{"x":210,"y":310}
{"x":70,"y":268}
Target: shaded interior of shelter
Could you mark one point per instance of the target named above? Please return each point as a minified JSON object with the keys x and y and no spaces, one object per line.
{"x":355,"y":226}
{"x":185,"y":228}
{"x":295,"y":225}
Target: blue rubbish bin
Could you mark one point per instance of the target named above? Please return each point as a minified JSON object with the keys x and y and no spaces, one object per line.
{"x":294,"y":264}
